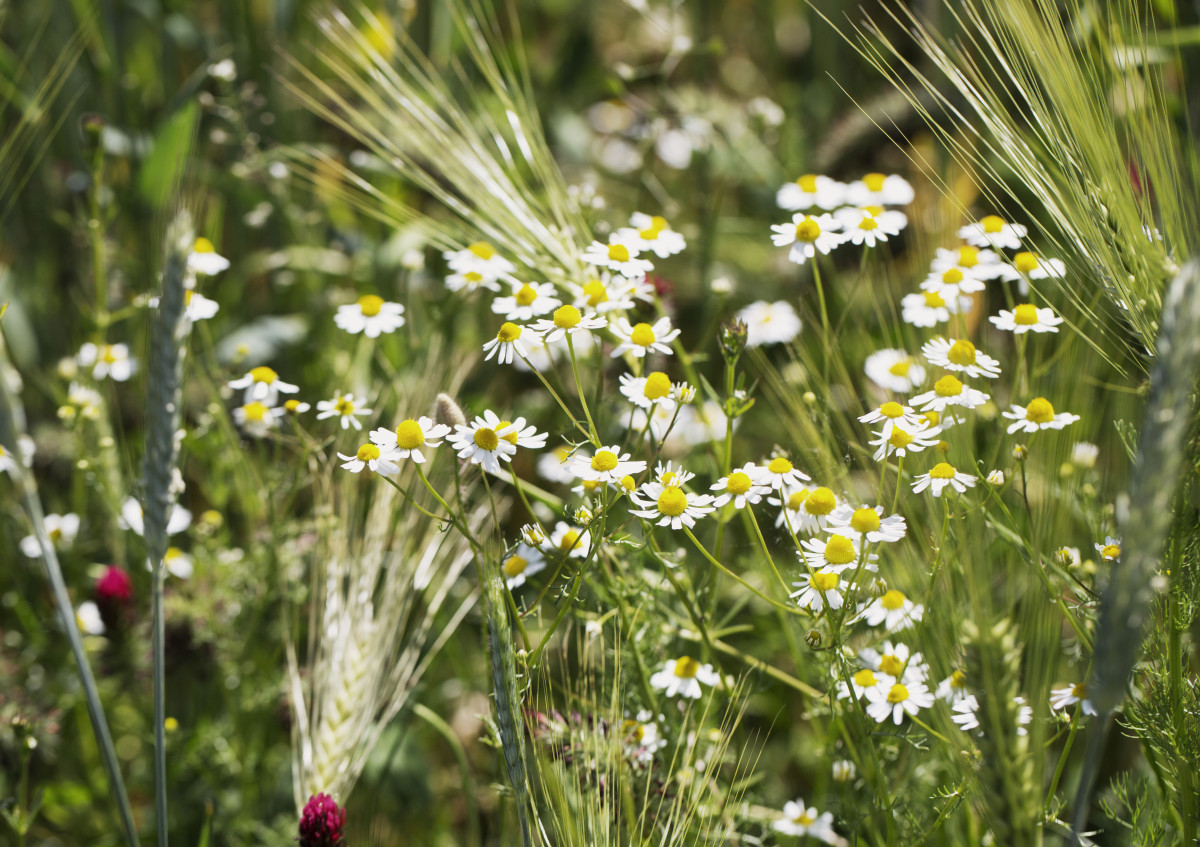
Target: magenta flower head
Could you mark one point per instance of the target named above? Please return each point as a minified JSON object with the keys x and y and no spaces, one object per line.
{"x":114,"y":586}
{"x":322,"y":822}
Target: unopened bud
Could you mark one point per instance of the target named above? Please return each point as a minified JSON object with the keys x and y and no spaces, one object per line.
{"x":446,"y":411}
{"x":1020,"y":453}
{"x":812,"y":638}
{"x":732,"y":337}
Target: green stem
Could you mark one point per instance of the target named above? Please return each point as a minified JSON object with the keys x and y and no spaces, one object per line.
{"x":730,"y":573}
{"x":579,"y":388}
{"x":464,"y":767}
{"x":762,"y":543}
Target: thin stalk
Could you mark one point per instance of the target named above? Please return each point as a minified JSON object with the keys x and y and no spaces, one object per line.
{"x":704,"y":552}
{"x":579,"y":388}
{"x":464,"y":767}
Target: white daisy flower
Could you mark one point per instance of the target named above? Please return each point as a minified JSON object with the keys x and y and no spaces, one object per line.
{"x":344,"y":408}
{"x":641,"y":738}
{"x":568,"y":320}
{"x":808,"y":236}
{"x":197,"y":307}
{"x":894,"y":370}
{"x":370,"y":456}
{"x":791,"y":507}
{"x":61,"y":531}
{"x":646,"y":391}
{"x":670,"y":505}
{"x":861,"y":682}
{"x":930,"y":308}
{"x":876,"y":189}
{"x":510,"y":342}
{"x":896,"y":662}
{"x":178,"y":563}
{"x":992,"y":231}
{"x":1069,"y":695}
{"x":528,"y":301}
{"x":960,"y":355}
{"x":570,"y":541}
{"x":811,"y":191}
{"x":941,"y":475}
{"x":608,"y":465}
{"x":843,"y":770}
{"x":523,"y":562}
{"x":949,"y":391}
{"x":902,"y":440}
{"x":800,"y":820}
{"x":964,"y":712}
{"x":107,"y":360}
{"x":970,"y":261}
{"x":257,"y":418}
{"x":88,"y":619}
{"x":609,"y":293}
{"x":409,"y":436}
{"x":868,"y":522}
{"x":1110,"y":549}
{"x":1039,"y":414}
{"x":952,"y":283}
{"x":893,"y":610}
{"x":891,"y":413}
{"x":1026,"y":266}
{"x":742,"y":486}
{"x":132,"y":518}
{"x":837,"y":552}
{"x":264,"y":385}
{"x":652,"y":234}
{"x":204,"y":259}
{"x":805,"y":509}
{"x":898,"y":700}
{"x":371,"y":315}
{"x":482,"y":258}
{"x":819,"y":590}
{"x":870,"y":225}
{"x":769,"y":323}
{"x":534,"y":535}
{"x":488,"y":440}
{"x":780,"y":473}
{"x":1027,"y":318}
{"x":471,"y":281}
{"x":1084,"y":454}
{"x":640,"y":339}
{"x":682,"y":677}
{"x":618,"y":257}
{"x":953,"y":689}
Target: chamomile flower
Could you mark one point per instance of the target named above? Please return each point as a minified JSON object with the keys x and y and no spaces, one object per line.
{"x":370,"y":456}
{"x":930,"y":308}
{"x":819,"y":590}
{"x":964,"y":711}
{"x":1110,"y":549}
{"x":876,"y":189}
{"x":470,"y":281}
{"x":523,"y":562}
{"x":961,"y":356}
{"x":814,"y":511}
{"x":894,"y":370}
{"x":609,"y":293}
{"x":617,"y":256}
{"x":898,"y":700}
{"x":263,"y":384}
{"x":197,"y":307}
{"x":1069,"y":695}
{"x":646,"y":391}
{"x":894,"y":611}
{"x":1038,"y":415}
{"x":482,"y":258}
{"x":951,"y":283}
{"x":1084,"y":454}
{"x":741,"y":486}
{"x":1026,"y":266}
{"x":993,"y":231}
{"x":867,"y":522}
{"x":682,"y":678}
{"x":371,"y":315}
{"x":639,"y":339}
{"x":949,"y":391}
{"x":641,"y":738}
{"x":862,"y":681}
{"x":608,"y":465}
{"x":870,"y":225}
{"x":669,"y":505}
{"x":571,"y":541}
{"x":344,"y":408}
{"x":652,"y":234}
{"x":800,"y":820}
{"x":769,"y":323}
{"x":843,"y":770}
{"x":808,"y":236}
{"x":527,"y":301}
{"x":60,"y":530}
{"x":811,"y":191}
{"x":107,"y":360}
{"x":88,"y":618}
{"x":177,"y":563}
{"x":791,"y":507}
{"x":941,"y":475}
{"x":133,"y":518}
{"x":896,"y":662}
{"x":487,"y":440}
{"x":204,"y":259}
{"x":969,"y":261}
{"x":953,"y":689}
{"x":568,"y":320}
{"x":533,"y":534}
{"x":837,"y":552}
{"x":891,"y":413}
{"x":409,"y":436}
{"x":901,"y":440}
{"x":256,"y":418}
{"x":779,"y":473}
{"x":1026,"y":318}
{"x":510,"y":342}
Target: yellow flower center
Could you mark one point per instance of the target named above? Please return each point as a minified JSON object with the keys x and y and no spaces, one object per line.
{"x":1110,"y":551}
{"x":628,"y":482}
{"x":779,"y":465}
{"x":187,"y":297}
{"x":510,"y":436}
{"x":409,"y":435}
{"x":672,"y":502}
{"x":566,"y":317}
{"x":486,"y":439}
{"x":55,"y":534}
{"x":509,"y":332}
{"x":515,"y":566}
{"x":604,"y":461}
{"x":1039,"y":411}
{"x":667,"y":478}
{"x":953,"y":276}
{"x":893,"y":600}
{"x":900,"y":437}
{"x":618,"y":253}
{"x":569,"y":540}
{"x":255,"y":412}
{"x":948,"y":386}
{"x":808,"y":230}
{"x":865,"y":678}
{"x":1025,"y":262}
{"x":825,"y":581}
{"x":1025,"y":314}
{"x":344,"y":406}
{"x":264,"y":375}
{"x":370,"y":305}
{"x":891,"y":666}
{"x":658,"y":386}
{"x":203,"y":245}
{"x":473,"y":277}
{"x":595,"y":292}
{"x":958,"y":679}
{"x":820,"y":502}
{"x":796,"y":499}
{"x":993,"y":224}
{"x":367,"y":453}
{"x":942,"y":470}
{"x":891,"y":409}
{"x":865,"y":520}
{"x":173,"y":553}
{"x":808,"y":183}
{"x":874,"y":181}
{"x":657,"y":225}
{"x":933,"y":300}
{"x":483,"y":250}
{"x":686,"y":667}
{"x":292,"y":406}
{"x":738,"y":483}
{"x":108,"y":355}
{"x":897,"y":694}
{"x":931,"y":417}
{"x":525,"y":295}
{"x":968,"y":257}
{"x":804,"y":818}
{"x":642,"y":335}
{"x":868,"y":223}
{"x":839,"y":550}
{"x":900,"y":368}
{"x":1079,"y":690}
{"x":874,"y":211}
{"x":961,"y":353}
